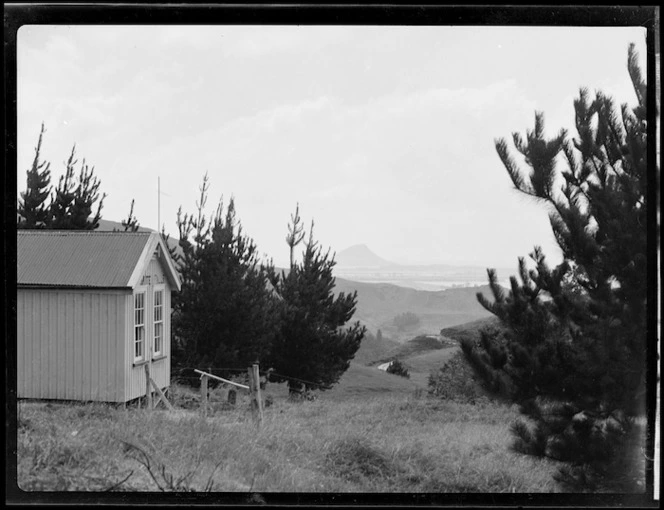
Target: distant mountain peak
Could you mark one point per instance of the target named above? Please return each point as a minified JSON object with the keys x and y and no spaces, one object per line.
{"x":360,"y":255}
{"x":359,"y":249}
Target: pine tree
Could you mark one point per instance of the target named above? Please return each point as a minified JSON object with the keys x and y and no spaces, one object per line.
{"x":63,"y":198}
{"x":313,"y":347}
{"x":172,"y":249}
{"x":224,"y":315}
{"x":32,"y":210}
{"x":72,"y":204}
{"x":575,"y":340}
{"x":295,"y":233}
{"x":131,"y":223}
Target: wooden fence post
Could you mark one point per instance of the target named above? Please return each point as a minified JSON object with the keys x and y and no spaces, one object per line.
{"x":255,"y":393}
{"x":148,"y":388}
{"x":204,"y":395}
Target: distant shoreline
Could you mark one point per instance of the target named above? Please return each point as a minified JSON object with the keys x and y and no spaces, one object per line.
{"x":437,"y":284}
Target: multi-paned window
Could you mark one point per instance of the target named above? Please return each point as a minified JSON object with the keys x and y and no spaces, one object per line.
{"x":139,"y":326}
{"x":158,"y":321}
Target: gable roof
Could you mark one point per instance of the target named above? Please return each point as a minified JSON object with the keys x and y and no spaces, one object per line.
{"x":80,"y":258}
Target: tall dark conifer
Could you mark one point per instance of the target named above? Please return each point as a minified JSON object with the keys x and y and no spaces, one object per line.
{"x":573,"y":350}
{"x":73,"y":202}
{"x":63,"y":197}
{"x":314,"y":345}
{"x":85,"y":197}
{"x":224,"y":314}
{"x":32,"y":209}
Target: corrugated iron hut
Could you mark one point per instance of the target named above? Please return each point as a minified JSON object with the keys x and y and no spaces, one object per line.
{"x":93,"y":308}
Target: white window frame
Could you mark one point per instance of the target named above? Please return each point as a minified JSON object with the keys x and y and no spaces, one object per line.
{"x":158,"y":289}
{"x":138,"y":326}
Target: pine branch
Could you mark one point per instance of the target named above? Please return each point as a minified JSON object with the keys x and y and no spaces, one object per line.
{"x":295,"y":233}
{"x":512,"y":169}
{"x":131,"y":223}
{"x":640,"y":88}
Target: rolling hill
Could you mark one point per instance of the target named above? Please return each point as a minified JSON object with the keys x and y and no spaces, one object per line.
{"x":470,"y":330}
{"x":419,"y":345}
{"x":365,"y":382}
{"x":109,"y":226}
{"x":373,"y":348}
{"x":379,"y":304}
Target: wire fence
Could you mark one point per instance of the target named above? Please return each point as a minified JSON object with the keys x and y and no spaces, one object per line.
{"x":179,"y":373}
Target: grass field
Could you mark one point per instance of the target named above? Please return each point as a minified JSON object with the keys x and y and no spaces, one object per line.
{"x":373,"y":432}
{"x":381,"y":442}
{"x":421,"y":365}
{"x":368,"y":382}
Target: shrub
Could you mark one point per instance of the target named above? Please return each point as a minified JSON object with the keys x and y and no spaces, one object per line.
{"x":397,"y":368}
{"x":455,"y":381}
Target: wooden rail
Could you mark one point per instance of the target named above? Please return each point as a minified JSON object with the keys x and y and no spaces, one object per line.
{"x":254,"y":389}
{"x":244,"y":387}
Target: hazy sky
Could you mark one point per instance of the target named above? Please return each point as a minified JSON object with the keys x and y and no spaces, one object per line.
{"x":384,"y":135}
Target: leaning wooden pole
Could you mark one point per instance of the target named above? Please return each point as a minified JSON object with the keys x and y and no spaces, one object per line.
{"x":148,"y":388}
{"x":216,"y":378}
{"x":160,"y":396}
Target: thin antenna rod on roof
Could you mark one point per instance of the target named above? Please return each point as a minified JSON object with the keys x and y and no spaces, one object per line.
{"x":158,"y":204}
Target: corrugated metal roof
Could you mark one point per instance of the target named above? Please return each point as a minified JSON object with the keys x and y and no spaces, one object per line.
{"x":78,"y":258}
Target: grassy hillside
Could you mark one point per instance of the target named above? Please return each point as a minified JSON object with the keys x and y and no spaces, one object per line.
{"x":387,"y":443}
{"x":470,"y":330}
{"x":420,"y":366}
{"x":380,"y":303}
{"x":418,"y":345}
{"x":367,"y":382}
{"x":423,"y":355}
{"x":372,"y":349}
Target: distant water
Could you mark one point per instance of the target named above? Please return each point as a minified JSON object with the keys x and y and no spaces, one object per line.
{"x":429,"y":285}
{"x":431,"y":278}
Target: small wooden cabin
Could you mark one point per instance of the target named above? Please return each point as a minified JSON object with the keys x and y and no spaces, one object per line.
{"x":93,"y":308}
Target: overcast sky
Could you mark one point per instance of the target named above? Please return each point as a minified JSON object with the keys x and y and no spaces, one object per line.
{"x":384,"y":135}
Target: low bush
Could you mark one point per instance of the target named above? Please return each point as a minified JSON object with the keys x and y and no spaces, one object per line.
{"x":456,"y":381}
{"x":397,"y":368}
